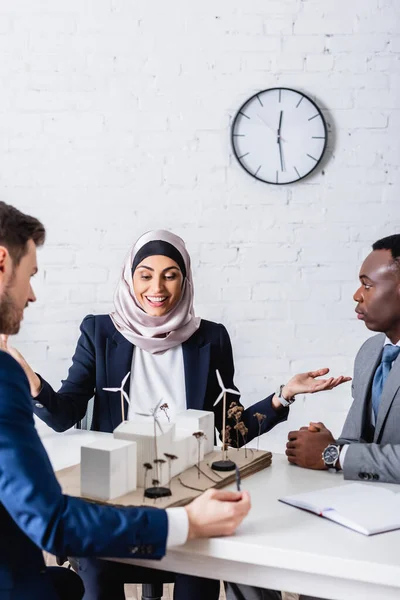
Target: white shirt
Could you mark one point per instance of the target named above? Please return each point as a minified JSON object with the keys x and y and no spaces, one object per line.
{"x":156,"y":376}
{"x":346,"y":446}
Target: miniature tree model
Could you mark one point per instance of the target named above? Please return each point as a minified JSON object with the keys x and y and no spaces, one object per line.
{"x":260,"y":418}
{"x":224,"y":464}
{"x":147,"y":467}
{"x":199,"y":435}
{"x":155,"y":492}
{"x":242,"y":429}
{"x":235,"y":411}
{"x":170,"y":458}
{"x":159,"y":462}
{"x":123,"y":394}
{"x":164,"y":407}
{"x":228,"y":439}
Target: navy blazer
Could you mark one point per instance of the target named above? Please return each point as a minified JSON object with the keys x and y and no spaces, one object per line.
{"x":35,"y":515}
{"x":103,"y":357}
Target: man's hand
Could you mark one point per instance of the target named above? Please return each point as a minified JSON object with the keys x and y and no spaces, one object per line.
{"x":217,"y":512}
{"x":306,"y":445}
{"x":34,"y":381}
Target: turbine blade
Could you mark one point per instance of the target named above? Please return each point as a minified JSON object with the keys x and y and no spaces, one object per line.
{"x":125,"y":395}
{"x":219,"y":378}
{"x":219,"y":398}
{"x":111,"y":389}
{"x":125,"y":379}
{"x":233,"y":392}
{"x":143,"y":414}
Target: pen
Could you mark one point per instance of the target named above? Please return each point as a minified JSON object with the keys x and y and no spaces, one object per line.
{"x":238,"y":480}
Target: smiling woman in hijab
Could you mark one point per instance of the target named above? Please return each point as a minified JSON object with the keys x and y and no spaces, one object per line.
{"x":171,"y":354}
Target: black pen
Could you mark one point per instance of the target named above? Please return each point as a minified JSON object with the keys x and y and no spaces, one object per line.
{"x":238,"y":480}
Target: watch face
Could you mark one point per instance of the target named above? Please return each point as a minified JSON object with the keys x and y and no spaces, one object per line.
{"x":279,"y":136}
{"x":331,"y":454}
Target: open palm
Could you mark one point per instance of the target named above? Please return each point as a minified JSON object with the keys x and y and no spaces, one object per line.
{"x":307,"y":383}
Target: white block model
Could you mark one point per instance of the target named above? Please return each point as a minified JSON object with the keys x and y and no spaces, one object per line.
{"x":176,"y":438}
{"x":108,"y":468}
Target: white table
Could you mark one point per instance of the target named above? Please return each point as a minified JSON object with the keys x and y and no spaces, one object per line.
{"x":278,"y":546}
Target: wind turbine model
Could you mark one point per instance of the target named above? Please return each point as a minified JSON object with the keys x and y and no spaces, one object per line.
{"x":157,"y":491}
{"x":225,"y":464}
{"x":123,"y":394}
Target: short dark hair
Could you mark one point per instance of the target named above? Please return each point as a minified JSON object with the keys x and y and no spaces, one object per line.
{"x":16,"y":229}
{"x":392,"y":243}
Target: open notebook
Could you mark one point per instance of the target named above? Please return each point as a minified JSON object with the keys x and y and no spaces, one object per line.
{"x":366,"y":508}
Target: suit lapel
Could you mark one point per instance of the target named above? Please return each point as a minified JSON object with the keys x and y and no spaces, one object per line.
{"x":119,"y":354}
{"x":365,"y":375}
{"x":196,"y":360}
{"x":389,"y":391}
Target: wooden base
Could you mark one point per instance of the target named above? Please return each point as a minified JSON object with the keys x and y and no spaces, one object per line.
{"x":184,"y":487}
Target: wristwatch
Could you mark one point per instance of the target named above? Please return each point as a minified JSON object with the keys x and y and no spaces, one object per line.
{"x":284,"y":401}
{"x":330,"y":456}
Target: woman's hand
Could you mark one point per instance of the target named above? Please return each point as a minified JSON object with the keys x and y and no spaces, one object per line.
{"x":307,"y":383}
{"x":34,"y":381}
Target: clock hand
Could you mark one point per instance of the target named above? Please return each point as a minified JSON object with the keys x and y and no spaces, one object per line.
{"x":279,"y":126}
{"x":280,"y":153}
{"x":269,"y":126}
{"x":279,"y":140}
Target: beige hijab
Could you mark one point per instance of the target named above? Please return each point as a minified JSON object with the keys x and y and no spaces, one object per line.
{"x":154,"y":334}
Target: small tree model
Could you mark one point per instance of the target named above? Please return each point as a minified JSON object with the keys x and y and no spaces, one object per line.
{"x":260,"y":418}
{"x":147,"y":467}
{"x":200,"y":436}
{"x":224,"y":464}
{"x":235,"y":411}
{"x":122,"y":393}
{"x":242,"y":429}
{"x":159,"y":462}
{"x":164,"y":407}
{"x":170,"y":458}
{"x":228,"y":439}
{"x":156,"y":491}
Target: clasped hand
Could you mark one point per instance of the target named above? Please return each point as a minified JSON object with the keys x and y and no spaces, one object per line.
{"x":305,"y":446}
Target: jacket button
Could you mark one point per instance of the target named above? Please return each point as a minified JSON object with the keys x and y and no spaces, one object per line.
{"x":38,"y":405}
{"x":133,"y":549}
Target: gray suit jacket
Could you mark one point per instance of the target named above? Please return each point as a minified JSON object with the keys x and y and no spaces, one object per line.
{"x":380,"y":460}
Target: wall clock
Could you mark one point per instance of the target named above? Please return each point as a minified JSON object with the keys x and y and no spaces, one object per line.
{"x":279,"y":136}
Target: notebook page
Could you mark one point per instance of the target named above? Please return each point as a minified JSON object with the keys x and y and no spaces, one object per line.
{"x":363,"y":507}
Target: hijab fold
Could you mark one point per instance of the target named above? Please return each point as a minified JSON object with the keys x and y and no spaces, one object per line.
{"x":154,"y":334}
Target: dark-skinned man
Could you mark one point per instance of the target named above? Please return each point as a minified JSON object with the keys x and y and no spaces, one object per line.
{"x":369,"y":446}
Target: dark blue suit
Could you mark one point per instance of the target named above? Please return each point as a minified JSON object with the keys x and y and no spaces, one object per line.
{"x":102,"y":358}
{"x":35,"y":515}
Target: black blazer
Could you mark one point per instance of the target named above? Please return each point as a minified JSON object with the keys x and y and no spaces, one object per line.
{"x":103,"y":357}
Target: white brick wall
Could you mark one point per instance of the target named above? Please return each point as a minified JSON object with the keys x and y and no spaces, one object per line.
{"x":114,"y":119}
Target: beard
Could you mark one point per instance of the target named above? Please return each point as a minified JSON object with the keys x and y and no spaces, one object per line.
{"x":10,"y":315}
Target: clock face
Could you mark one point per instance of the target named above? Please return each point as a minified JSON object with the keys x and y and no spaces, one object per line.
{"x":279,"y":136}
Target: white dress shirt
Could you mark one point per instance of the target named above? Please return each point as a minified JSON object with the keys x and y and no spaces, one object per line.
{"x":156,"y":376}
{"x":343,"y":451}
